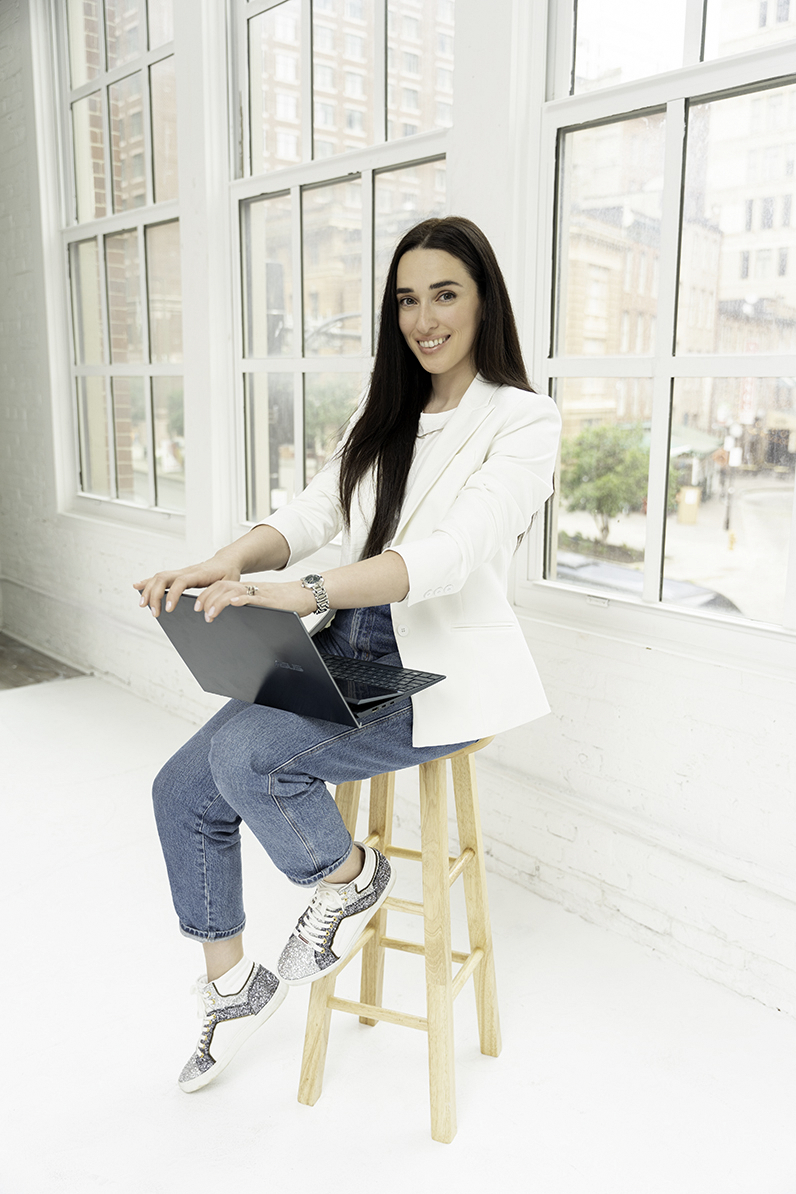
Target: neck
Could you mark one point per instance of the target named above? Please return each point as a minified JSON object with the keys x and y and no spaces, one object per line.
{"x":447,"y":392}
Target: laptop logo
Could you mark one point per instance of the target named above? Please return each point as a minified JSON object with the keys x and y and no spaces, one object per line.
{"x":291,"y":667}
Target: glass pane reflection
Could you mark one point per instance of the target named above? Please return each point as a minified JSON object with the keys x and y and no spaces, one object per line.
{"x":124,"y":297}
{"x":126,"y":103}
{"x":169,"y":434}
{"x":420,"y":43}
{"x":275,"y":87}
{"x":332,"y":254}
{"x":85,"y":49}
{"x":330,"y":399}
{"x":611,"y":190}
{"x":619,"y":40}
{"x":86,"y":304}
{"x":92,"y":421}
{"x":738,"y":257}
{"x":268,"y":277}
{"x":164,"y":129}
{"x":271,"y":454}
{"x":132,"y":440}
{"x":602,"y":496}
{"x":122,"y":31}
{"x":733,"y":447}
{"x":89,"y":148}
{"x":164,"y":285}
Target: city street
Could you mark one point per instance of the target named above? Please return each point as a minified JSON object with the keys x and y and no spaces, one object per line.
{"x":747,"y":565}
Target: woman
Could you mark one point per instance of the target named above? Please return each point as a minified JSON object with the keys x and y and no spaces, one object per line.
{"x":438,"y":478}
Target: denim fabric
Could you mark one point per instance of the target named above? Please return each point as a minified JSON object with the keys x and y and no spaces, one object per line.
{"x":270,"y":769}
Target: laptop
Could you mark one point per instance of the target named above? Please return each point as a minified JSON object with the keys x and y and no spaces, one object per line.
{"x":268,"y":657}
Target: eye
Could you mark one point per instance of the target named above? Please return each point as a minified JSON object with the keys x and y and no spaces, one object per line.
{"x":405,"y":300}
{"x":446,"y":295}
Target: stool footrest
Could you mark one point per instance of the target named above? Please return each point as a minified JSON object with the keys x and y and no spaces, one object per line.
{"x":368,"y":1011}
{"x":396,"y":905}
{"x":416,"y":947}
{"x":470,"y":963}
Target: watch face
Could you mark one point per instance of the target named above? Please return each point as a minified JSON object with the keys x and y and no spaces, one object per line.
{"x":313,"y":578}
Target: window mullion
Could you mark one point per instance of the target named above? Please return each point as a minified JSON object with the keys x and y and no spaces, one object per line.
{"x":307,"y":108}
{"x":242,"y":94}
{"x":695,"y":14}
{"x":106,"y":336}
{"x":298,"y":338}
{"x":367,"y":262}
{"x":146,"y":117}
{"x":561,"y":49}
{"x":657,"y":497}
{"x":380,"y":72}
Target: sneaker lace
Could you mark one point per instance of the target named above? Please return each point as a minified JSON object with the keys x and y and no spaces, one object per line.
{"x":313,"y":927}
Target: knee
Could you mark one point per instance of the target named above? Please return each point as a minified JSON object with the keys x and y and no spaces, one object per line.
{"x":230,"y":762}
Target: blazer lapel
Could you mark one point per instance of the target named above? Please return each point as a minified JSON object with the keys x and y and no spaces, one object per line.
{"x":467,"y":418}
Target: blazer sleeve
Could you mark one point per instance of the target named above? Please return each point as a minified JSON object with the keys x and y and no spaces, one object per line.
{"x":492,"y":509}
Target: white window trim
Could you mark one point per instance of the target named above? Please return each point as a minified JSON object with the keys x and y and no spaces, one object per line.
{"x":771,"y":650}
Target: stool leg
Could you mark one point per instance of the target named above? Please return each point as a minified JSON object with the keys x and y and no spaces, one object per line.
{"x":382,"y":799}
{"x":466,"y":793}
{"x":316,"y":1038}
{"x":437,"y":923}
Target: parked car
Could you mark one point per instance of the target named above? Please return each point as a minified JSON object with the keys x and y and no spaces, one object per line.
{"x":603,"y":575}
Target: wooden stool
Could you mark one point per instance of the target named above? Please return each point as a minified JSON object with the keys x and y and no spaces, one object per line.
{"x":442,"y":987}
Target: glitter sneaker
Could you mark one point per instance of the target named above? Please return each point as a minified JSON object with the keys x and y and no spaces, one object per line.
{"x":335,"y":919}
{"x":227,"y":1021}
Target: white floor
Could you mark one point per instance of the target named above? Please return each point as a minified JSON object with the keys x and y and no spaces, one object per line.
{"x":620,"y":1072}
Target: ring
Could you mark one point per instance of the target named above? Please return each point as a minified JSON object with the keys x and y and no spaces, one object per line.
{"x":251,"y":590}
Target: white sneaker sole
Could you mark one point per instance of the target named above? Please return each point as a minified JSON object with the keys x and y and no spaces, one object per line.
{"x":246,"y":1030}
{"x":367,"y":916}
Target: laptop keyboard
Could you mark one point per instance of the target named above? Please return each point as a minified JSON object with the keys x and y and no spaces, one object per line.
{"x":402,"y":680}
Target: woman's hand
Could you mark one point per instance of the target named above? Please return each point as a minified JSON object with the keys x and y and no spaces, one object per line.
{"x":288,"y":594}
{"x":195,"y":576}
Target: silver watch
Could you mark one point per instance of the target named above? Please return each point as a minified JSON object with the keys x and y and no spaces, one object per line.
{"x":314,"y":582}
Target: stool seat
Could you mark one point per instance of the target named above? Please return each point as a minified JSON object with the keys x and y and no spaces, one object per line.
{"x":440,"y":870}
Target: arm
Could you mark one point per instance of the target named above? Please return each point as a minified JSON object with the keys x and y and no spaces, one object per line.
{"x":261,"y":549}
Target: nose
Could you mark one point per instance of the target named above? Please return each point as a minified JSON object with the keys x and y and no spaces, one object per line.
{"x":426,"y":318}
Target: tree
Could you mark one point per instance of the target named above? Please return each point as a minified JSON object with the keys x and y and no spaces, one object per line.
{"x":604,"y":470}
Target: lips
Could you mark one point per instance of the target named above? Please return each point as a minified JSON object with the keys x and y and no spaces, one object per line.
{"x":430,"y":345}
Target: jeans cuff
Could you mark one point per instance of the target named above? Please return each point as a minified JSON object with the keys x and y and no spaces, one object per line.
{"x":211,"y":934}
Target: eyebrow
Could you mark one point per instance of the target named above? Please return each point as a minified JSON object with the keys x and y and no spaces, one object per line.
{"x":433,"y":286}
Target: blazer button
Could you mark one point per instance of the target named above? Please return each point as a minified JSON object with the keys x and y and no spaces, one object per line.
{"x":449,"y":588}
{"x":429,"y":593}
{"x":438,"y":592}
{"x":403,"y":631}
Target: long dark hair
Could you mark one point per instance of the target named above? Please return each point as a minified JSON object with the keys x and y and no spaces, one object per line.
{"x":384,"y":436}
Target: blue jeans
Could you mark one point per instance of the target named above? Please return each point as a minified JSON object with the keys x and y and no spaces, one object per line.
{"x":270,"y":769}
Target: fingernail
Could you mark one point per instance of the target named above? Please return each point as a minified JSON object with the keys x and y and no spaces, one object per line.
{"x":168,"y":605}
{"x":197,"y":606}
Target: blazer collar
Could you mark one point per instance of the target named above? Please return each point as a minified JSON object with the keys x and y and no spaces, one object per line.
{"x":475,"y":405}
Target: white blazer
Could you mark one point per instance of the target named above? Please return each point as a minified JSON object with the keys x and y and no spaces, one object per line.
{"x":473,"y":496}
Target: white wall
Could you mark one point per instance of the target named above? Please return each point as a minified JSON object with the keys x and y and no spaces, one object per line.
{"x":656,"y":799}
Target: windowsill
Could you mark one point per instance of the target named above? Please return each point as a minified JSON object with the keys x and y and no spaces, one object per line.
{"x":751,"y":646}
{"x":145,"y":518}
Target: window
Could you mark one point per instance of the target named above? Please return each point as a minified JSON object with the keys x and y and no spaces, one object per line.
{"x":783,"y":10}
{"x":763,"y":14}
{"x":676,"y":395}
{"x":315,"y":247}
{"x":124,"y":274}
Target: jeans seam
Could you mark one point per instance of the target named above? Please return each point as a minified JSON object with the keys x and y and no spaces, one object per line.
{"x":205,"y":811}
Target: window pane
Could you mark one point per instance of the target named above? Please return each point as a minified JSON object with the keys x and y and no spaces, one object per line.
{"x":275,"y":87}
{"x":92,"y":421}
{"x":85,"y":51}
{"x":165,"y":291}
{"x":332,"y":225}
{"x":86,"y":302}
{"x":330,"y":399}
{"x":127,"y":143}
{"x":733,"y":448}
{"x":122,"y":31}
{"x":419,"y":66}
{"x":132,"y":440}
{"x":89,"y":147}
{"x":270,"y":449}
{"x":610,"y":212}
{"x":733,"y":28}
{"x":343,"y":68}
{"x":169,"y":429}
{"x":124,"y":297}
{"x":619,"y":40}
{"x":602,"y":496}
{"x":402,"y":198}
{"x":268,"y":277}
{"x":161,"y":22}
{"x":164,"y":129}
{"x":738,"y":257}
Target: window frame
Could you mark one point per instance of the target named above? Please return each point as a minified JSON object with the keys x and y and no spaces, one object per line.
{"x":646,"y":617}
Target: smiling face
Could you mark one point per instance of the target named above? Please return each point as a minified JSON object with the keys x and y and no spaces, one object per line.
{"x":439,"y":311}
